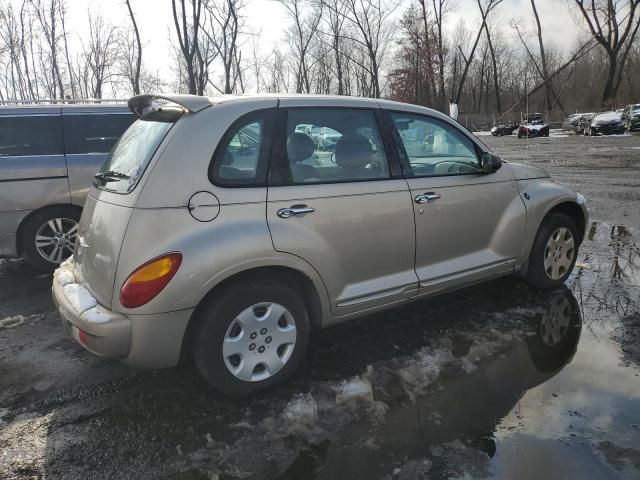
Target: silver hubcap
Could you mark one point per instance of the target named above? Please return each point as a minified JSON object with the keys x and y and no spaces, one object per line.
{"x":259,"y":341}
{"x":558,"y":254}
{"x":55,"y":240}
{"x":555,"y":321}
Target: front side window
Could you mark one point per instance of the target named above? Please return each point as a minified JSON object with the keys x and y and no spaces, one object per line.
{"x":435,"y":148}
{"x":129,"y":157}
{"x":240,"y":158}
{"x":94,"y":133}
{"x":31,"y":135}
{"x":336,"y":145}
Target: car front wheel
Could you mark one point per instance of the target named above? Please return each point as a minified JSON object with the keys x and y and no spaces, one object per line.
{"x":554,"y":252}
{"x":251,"y":336}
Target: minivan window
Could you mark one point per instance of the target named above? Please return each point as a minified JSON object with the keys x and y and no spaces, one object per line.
{"x":94,"y":133}
{"x":342,"y":145}
{"x":30,"y":135}
{"x":129,"y":157}
{"x":435,"y":148}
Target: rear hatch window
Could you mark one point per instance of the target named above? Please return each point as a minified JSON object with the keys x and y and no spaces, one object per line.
{"x":130,"y":155}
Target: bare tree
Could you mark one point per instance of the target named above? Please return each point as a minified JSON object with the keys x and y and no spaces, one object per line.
{"x":614,"y":27}
{"x":225,"y":25}
{"x":441,"y":8}
{"x":48,"y":16}
{"x":370,"y":18}
{"x":188,"y":30}
{"x":484,"y":12}
{"x":100,"y":54}
{"x":136,"y":58}
{"x":301,"y":34}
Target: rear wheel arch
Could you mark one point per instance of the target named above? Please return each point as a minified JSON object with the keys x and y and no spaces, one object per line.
{"x":291,"y":277}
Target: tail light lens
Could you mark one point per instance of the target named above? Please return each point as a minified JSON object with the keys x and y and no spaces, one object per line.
{"x":149,"y":280}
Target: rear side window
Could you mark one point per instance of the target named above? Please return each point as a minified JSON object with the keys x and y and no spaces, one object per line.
{"x":129,"y":157}
{"x":31,"y":135}
{"x":241,"y":157}
{"x":94,"y":133}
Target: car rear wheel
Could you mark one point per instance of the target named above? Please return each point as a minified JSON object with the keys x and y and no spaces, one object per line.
{"x":49,"y":237}
{"x":251,"y":336}
{"x":554,"y":252}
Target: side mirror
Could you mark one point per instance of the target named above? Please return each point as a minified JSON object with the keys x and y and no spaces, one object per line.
{"x":490,"y":162}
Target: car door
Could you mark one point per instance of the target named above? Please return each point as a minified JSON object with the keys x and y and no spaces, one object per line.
{"x":469,"y":225}
{"x":346,"y":212}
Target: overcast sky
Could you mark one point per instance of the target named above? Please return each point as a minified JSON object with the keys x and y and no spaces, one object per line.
{"x":156,"y":23}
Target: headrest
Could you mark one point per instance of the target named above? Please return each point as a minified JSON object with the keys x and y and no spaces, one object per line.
{"x":353,"y":151}
{"x":299,"y":147}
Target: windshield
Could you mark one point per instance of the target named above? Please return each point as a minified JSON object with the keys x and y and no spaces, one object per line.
{"x":129,"y":157}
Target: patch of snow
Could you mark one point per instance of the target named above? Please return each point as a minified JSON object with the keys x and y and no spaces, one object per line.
{"x":96,"y":315}
{"x":67,"y":263}
{"x":10,"y":322}
{"x":608,"y":117}
{"x":301,"y":408}
{"x":79,"y":297}
{"x":64,"y":276}
{"x":424,"y":369}
{"x":354,"y":390}
{"x":482,"y":134}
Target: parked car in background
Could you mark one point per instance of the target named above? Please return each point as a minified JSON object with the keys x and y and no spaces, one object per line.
{"x":584,"y":121}
{"x":502,"y":129}
{"x":185,"y":247}
{"x":607,"y":123}
{"x":631,"y":117}
{"x":571,"y":122}
{"x":48,"y":156}
{"x":327,"y":138}
{"x":533,"y":125}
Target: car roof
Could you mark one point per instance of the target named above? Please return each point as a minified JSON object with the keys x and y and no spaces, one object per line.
{"x":195,"y":103}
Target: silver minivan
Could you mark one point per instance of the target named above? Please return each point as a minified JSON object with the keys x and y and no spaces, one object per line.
{"x":48,"y":156}
{"x":218,"y":228}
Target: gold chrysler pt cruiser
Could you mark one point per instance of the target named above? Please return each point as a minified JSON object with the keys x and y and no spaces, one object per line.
{"x":229,"y":228}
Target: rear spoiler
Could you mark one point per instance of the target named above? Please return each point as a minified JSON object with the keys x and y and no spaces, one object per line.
{"x":147,"y":104}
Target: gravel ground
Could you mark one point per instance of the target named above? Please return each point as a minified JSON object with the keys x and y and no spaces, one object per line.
{"x":494,"y":381}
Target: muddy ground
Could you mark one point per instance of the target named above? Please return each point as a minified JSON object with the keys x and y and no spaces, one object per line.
{"x":495,"y":381}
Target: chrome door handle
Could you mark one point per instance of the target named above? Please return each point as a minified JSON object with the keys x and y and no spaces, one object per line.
{"x":295,"y":210}
{"x":427,"y":197}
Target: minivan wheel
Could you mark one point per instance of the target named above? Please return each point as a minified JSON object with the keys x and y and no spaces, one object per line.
{"x":49,"y":237}
{"x":554,"y":252}
{"x":251,"y":336}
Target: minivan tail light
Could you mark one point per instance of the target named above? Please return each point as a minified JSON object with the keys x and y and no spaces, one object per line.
{"x":149,"y":280}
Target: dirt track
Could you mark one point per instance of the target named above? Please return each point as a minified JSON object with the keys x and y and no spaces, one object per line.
{"x":496,"y":381}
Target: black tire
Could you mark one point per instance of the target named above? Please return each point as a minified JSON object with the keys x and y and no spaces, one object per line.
{"x":536,"y":274}
{"x":218,"y":313}
{"x":34,"y":224}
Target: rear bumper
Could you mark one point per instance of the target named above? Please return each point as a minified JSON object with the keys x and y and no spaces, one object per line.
{"x":143,"y":341}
